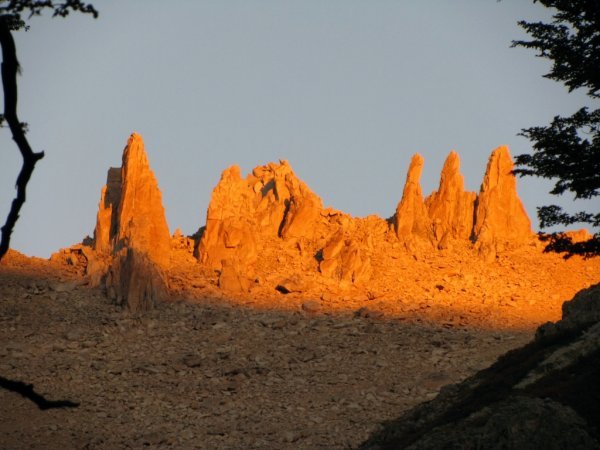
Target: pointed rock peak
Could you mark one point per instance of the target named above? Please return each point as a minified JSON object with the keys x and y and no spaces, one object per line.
{"x":499,"y":169}
{"x":451,"y":208}
{"x":500,"y":216}
{"x":451,"y":178}
{"x":131,"y":232}
{"x":411,"y":217}
{"x":134,"y":152}
{"x":131,"y":213}
{"x":452,"y":164}
{"x":414,"y":170}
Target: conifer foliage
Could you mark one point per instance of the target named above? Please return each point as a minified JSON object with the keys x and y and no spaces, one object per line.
{"x":568,"y":150}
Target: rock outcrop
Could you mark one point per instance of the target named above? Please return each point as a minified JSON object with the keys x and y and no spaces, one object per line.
{"x":131,"y":238}
{"x":256,"y":223}
{"x":270,"y":203}
{"x":272,"y":213}
{"x":411,"y":219}
{"x":450,"y":208}
{"x":131,"y":214}
{"x":500,"y":218}
{"x":543,"y":395}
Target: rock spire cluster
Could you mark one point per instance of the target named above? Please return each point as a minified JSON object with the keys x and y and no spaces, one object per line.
{"x":493,"y":220}
{"x":270,"y":221}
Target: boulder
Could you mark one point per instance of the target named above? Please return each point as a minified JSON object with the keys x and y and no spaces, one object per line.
{"x":343,"y":259}
{"x":231,"y":279}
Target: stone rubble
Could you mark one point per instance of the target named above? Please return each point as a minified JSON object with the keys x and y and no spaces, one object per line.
{"x":212,"y":374}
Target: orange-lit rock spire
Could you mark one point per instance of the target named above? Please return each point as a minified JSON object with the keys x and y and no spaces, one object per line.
{"x":411,"y":219}
{"x":450,"y":207}
{"x":131,"y":229}
{"x":131,"y":213}
{"x":500,"y":217}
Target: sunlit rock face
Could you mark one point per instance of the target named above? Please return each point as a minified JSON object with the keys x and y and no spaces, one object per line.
{"x":344,"y":258}
{"x":131,"y":235}
{"x":269,"y":202}
{"x":271,"y":222}
{"x":271,"y":215}
{"x":131,"y":213}
{"x":500,"y":218}
{"x":451,"y":208}
{"x":411,"y":219}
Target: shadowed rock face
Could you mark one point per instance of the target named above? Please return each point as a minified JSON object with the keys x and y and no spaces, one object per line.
{"x":131,"y":237}
{"x":106,"y":221}
{"x":543,"y":395}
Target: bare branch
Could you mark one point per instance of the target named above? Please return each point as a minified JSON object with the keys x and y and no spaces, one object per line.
{"x":10,"y":68}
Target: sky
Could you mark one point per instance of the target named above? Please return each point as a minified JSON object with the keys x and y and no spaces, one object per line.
{"x":345,"y":90}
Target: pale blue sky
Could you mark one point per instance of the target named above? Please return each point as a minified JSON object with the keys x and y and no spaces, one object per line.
{"x":345,"y":90}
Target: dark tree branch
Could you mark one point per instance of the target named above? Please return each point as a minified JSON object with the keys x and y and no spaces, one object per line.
{"x":10,"y":20}
{"x":26,"y":390}
{"x":10,"y":69}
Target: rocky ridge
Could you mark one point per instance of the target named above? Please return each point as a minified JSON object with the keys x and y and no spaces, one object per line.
{"x":268,"y":234}
{"x":268,"y":239}
{"x":271,"y":207}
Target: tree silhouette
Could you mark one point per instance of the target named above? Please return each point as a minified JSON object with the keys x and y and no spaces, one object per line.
{"x":11,"y":20}
{"x":568,"y":150}
{"x":11,"y":12}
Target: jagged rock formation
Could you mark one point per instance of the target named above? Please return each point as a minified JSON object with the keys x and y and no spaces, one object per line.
{"x":269,"y":227}
{"x":270,"y":202}
{"x":450,"y":208}
{"x":543,"y":395}
{"x":500,"y":217}
{"x":411,"y":218}
{"x":271,"y":213}
{"x":272,"y":208}
{"x":131,"y":214}
{"x":131,"y":238}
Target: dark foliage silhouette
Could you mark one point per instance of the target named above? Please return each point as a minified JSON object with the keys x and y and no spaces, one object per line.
{"x":11,"y":20}
{"x":568,"y":150}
